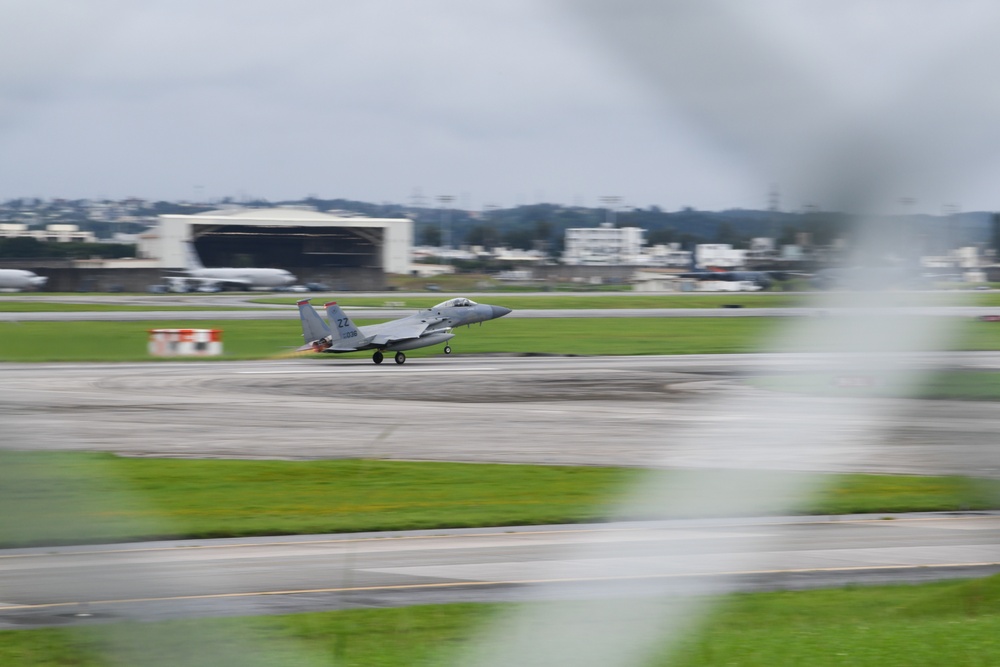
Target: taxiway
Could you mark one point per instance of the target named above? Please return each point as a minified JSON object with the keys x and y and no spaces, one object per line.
{"x":153,"y":581}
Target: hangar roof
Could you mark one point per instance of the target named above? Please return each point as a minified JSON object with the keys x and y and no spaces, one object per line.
{"x":288,"y":216}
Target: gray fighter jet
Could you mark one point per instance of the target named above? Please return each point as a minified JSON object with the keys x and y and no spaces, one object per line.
{"x":427,"y":327}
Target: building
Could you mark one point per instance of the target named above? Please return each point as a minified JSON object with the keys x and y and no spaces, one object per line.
{"x":719,"y":255}
{"x":668,"y":255}
{"x":334,"y":246}
{"x":603,"y":245}
{"x":51,"y":233}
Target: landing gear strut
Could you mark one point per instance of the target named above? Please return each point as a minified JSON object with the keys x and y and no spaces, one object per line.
{"x":377,"y":357}
{"x":400,"y":358}
{"x":447,"y":349}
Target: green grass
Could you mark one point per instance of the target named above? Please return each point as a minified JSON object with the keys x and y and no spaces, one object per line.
{"x":57,"y":307}
{"x":930,"y":625}
{"x":51,"y":498}
{"x":262,"y":339}
{"x":953,"y":623}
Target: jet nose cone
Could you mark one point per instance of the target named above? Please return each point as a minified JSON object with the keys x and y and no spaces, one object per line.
{"x":499,"y":311}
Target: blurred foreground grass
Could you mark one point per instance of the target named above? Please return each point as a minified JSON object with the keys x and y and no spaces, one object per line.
{"x":930,"y":625}
{"x":71,"y":497}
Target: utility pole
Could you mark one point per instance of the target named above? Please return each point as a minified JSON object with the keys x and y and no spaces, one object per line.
{"x":445,"y":200}
{"x":610,"y":205}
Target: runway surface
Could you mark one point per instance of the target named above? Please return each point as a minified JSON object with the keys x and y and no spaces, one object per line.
{"x":674,"y":411}
{"x":152,"y":581}
{"x":680,"y":411}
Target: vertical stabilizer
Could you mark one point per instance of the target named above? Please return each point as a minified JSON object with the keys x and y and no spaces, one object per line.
{"x":341,"y":326}
{"x":191,"y":260}
{"x":314,"y":329}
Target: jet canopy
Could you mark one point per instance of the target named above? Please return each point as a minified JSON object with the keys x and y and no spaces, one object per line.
{"x":456,"y":302}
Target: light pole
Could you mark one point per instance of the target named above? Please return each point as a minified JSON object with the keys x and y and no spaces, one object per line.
{"x":445,"y":200}
{"x":610,"y":205}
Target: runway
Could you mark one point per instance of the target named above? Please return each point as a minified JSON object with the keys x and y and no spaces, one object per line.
{"x":671,"y":411}
{"x":153,"y":581}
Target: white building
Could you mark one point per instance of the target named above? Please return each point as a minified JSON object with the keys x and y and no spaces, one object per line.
{"x":603,"y":245}
{"x":721,"y":255}
{"x":334,"y":237}
{"x":51,"y":233}
{"x":669,"y":254}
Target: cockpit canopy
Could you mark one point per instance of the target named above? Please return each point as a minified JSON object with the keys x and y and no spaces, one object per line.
{"x":456,"y":302}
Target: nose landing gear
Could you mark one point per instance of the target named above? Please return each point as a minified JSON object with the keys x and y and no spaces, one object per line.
{"x":447,"y":349}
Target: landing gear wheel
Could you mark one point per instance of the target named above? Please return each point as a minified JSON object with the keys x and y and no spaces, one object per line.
{"x":377,"y":357}
{"x":447,"y":349}
{"x":400,"y":358}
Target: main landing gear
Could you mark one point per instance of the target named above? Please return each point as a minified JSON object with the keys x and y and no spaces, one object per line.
{"x":378,"y":357}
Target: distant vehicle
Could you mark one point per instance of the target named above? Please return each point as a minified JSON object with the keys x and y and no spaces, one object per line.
{"x":21,"y":279}
{"x":157,"y":289}
{"x":200,"y":279}
{"x":728,"y":286}
{"x":317,"y":287}
{"x":425,"y":328}
{"x":297,"y":288}
{"x":760,"y":279}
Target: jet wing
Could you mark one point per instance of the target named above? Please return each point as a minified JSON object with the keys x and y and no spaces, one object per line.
{"x":243,"y":283}
{"x":404,"y":329}
{"x":225,"y":282}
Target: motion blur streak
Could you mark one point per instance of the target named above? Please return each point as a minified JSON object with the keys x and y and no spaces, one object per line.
{"x":856,"y":143}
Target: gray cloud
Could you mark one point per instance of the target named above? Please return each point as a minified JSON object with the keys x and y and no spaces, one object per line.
{"x":504,"y":102}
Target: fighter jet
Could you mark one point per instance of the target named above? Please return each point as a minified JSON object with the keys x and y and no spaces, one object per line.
{"x":423,"y":329}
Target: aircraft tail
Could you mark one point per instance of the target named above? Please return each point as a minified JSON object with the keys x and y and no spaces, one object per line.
{"x":341,"y":327}
{"x":315,"y":333}
{"x":191,"y":260}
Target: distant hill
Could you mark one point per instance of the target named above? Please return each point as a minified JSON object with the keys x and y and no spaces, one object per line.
{"x":544,"y":225}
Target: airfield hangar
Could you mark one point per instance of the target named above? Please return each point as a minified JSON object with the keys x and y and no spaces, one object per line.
{"x":345,"y":251}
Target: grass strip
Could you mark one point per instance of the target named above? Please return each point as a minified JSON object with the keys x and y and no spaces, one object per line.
{"x":11,"y":306}
{"x":929,"y":625}
{"x":73,"y":497}
{"x":262,"y":339}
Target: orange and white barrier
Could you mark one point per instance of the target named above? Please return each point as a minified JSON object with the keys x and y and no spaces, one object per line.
{"x":185,"y":342}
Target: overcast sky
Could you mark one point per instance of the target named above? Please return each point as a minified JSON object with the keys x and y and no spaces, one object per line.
{"x":701,"y":103}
